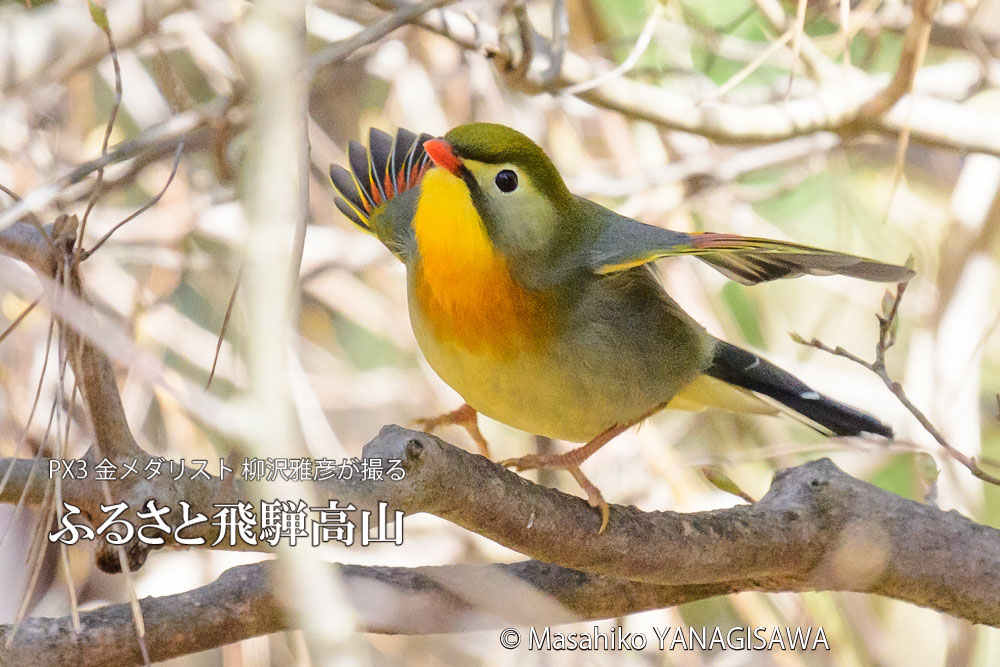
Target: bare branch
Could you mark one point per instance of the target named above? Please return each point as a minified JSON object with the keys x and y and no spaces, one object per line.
{"x":225,"y":325}
{"x":886,"y":339}
{"x":112,"y":116}
{"x":814,"y":518}
{"x":933,"y":121}
{"x":340,"y":51}
{"x":20,"y":318}
{"x":793,"y":537}
{"x":142,"y":209}
{"x":167,"y":134}
{"x":914,"y":48}
{"x":816,"y":529}
{"x":243,"y":603}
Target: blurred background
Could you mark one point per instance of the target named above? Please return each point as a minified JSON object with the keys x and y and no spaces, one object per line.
{"x":167,"y":276}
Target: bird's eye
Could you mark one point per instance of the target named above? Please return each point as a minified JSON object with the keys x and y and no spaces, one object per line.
{"x":506,"y":180}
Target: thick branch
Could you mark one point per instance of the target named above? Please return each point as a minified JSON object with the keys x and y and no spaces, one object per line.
{"x":812,"y":519}
{"x":816,"y":529}
{"x":798,"y":535}
{"x":242,"y":603}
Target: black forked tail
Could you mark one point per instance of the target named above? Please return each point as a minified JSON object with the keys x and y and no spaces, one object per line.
{"x":745,"y":369}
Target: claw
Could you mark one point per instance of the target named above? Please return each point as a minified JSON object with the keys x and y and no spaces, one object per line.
{"x":564,"y":462}
{"x":531,"y":462}
{"x":539,"y":461}
{"x":571,"y":461}
{"x":594,"y":497}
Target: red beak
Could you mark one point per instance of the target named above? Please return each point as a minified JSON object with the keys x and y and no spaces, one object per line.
{"x":443,"y":155}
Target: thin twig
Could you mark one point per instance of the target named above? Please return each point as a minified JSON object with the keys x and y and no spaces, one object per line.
{"x":914,"y":47}
{"x":27,"y":428}
{"x":343,"y":49}
{"x":17,"y":320}
{"x":171,"y":131}
{"x":225,"y":325}
{"x":518,"y":71}
{"x":886,"y":339}
{"x":641,"y":44}
{"x":560,"y":36}
{"x":31,"y":217}
{"x":749,"y":68}
{"x":799,"y":32}
{"x":96,"y":193}
{"x":911,"y":61}
{"x":142,"y":209}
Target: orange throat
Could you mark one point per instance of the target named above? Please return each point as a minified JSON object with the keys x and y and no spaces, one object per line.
{"x":462,"y":284}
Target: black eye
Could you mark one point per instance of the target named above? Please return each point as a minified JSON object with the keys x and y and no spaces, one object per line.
{"x":506,"y":180}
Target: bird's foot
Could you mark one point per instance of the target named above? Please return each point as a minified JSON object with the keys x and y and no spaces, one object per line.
{"x":466,"y":417}
{"x":569,"y":461}
{"x":594,"y":497}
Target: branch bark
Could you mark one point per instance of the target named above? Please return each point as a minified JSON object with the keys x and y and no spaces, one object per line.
{"x":243,"y":602}
{"x":816,"y":529}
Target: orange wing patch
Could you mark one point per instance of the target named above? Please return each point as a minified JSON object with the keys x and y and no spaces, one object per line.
{"x":389,"y":166}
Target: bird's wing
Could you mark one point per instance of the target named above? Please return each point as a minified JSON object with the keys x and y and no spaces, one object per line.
{"x":625,"y":243}
{"x":372,"y":190}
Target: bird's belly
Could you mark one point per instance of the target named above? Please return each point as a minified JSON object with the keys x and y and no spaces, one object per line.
{"x":529,"y":391}
{"x":560,"y":388}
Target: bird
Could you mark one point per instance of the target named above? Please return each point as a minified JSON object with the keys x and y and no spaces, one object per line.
{"x":541,"y":308}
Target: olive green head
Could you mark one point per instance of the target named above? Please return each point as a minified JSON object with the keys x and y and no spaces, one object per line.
{"x":496,"y":146}
{"x":525,"y":206}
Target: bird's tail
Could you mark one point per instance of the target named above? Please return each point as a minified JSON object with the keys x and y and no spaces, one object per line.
{"x":389,"y":166}
{"x":744,"y":369}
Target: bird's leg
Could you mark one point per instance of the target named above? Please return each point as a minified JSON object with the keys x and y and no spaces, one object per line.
{"x":571,"y":461}
{"x":466,"y":417}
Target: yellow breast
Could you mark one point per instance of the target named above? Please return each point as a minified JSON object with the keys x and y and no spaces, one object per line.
{"x":461,"y":283}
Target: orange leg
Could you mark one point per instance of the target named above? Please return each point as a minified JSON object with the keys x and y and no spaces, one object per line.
{"x":571,"y":461}
{"x":466,"y":417}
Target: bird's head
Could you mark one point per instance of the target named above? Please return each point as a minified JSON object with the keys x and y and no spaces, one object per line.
{"x":517,"y":191}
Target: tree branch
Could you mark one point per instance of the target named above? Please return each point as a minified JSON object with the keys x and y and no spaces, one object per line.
{"x":914,"y":48}
{"x":834,"y":107}
{"x":812,"y":517}
{"x":245,"y":602}
{"x":816,"y":529}
{"x":164,"y":136}
{"x":813,"y":521}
